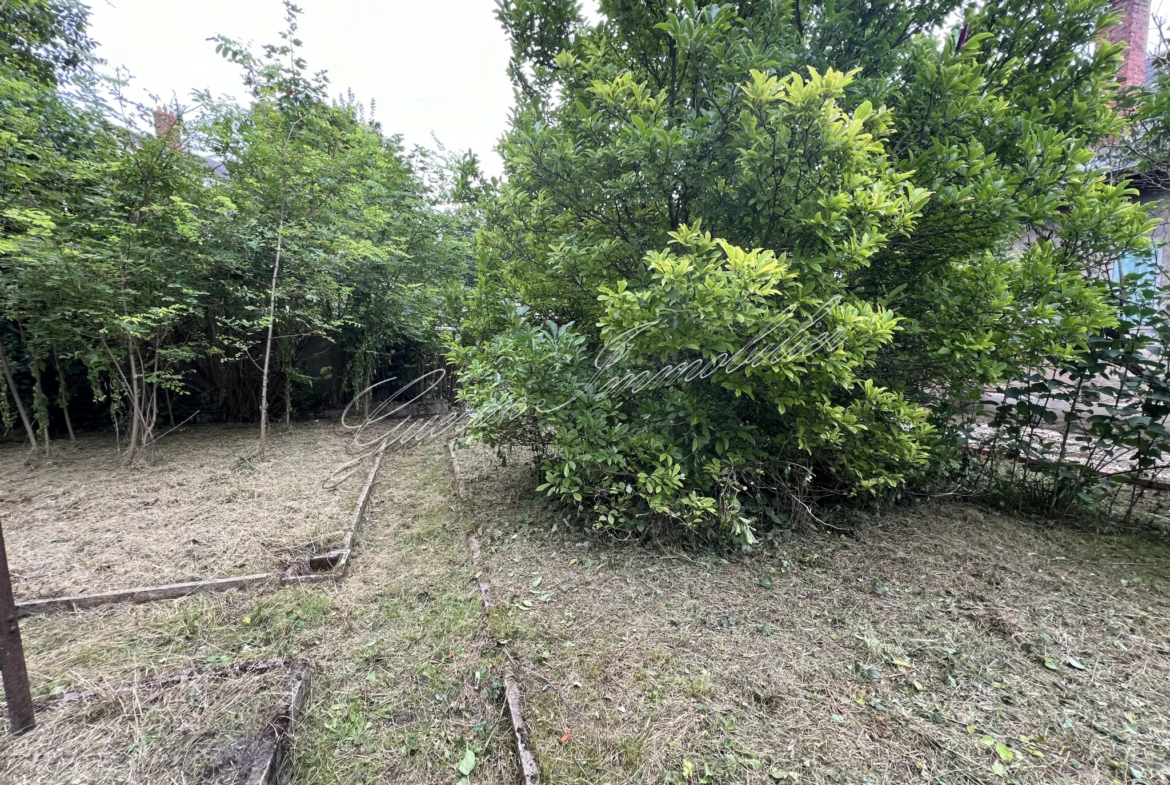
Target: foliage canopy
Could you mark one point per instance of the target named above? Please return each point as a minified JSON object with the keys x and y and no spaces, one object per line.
{"x":917,"y":180}
{"x":143,"y":265}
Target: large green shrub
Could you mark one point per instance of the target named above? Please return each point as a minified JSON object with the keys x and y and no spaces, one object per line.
{"x":691,"y":172}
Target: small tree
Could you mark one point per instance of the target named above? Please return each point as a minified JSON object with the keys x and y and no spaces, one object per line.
{"x":295,"y":163}
{"x":47,"y":128}
{"x":351,"y":237}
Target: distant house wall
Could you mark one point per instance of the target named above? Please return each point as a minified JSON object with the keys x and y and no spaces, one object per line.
{"x":1133,"y":31}
{"x":1157,"y":202}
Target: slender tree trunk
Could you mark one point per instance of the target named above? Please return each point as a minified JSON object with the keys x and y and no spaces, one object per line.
{"x":151,"y":410}
{"x":63,"y":397}
{"x":135,"y":404}
{"x":39,"y":399}
{"x":28,"y":428}
{"x":170,"y":414}
{"x":12,"y":665}
{"x":368,"y":395}
{"x":287,"y":400}
{"x":268,"y":342}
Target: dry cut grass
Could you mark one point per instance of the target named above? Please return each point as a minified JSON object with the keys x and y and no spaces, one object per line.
{"x":203,"y":730}
{"x":200,"y":506}
{"x":945,"y":644}
{"x":404,"y":681}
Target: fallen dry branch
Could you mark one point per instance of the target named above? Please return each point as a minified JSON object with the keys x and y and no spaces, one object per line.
{"x":528,"y":763}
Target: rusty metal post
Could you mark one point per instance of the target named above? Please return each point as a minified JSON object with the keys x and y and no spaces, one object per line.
{"x":16,"y":691}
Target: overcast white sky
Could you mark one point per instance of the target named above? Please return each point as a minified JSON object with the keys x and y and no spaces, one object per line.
{"x":433,"y":66}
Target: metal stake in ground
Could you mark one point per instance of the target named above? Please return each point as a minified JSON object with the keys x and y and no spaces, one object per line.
{"x":16,"y":691}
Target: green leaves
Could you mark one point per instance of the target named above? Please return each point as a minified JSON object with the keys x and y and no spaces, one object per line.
{"x":151,"y":263}
{"x":467,"y":762}
{"x":713,"y":180}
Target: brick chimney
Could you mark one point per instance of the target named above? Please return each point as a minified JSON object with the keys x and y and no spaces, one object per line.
{"x":166,"y":126}
{"x":1133,"y":30}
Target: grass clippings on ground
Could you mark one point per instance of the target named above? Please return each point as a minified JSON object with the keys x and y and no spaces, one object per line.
{"x":199,"y":506}
{"x":946,"y":644}
{"x":205,"y":729}
{"x":404,"y":687}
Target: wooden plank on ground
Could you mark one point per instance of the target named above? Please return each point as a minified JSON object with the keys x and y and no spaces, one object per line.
{"x":266,"y":768}
{"x":142,"y":594}
{"x":529,"y":765}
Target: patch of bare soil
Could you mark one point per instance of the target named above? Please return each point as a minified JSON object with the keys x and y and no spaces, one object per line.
{"x":946,"y":644}
{"x":201,"y":506}
{"x":203,"y":730}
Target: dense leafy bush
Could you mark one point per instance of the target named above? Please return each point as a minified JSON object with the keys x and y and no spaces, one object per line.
{"x":716,"y":437}
{"x":690,"y":172}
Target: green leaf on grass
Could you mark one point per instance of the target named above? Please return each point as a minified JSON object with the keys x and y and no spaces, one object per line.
{"x":1004,"y":752}
{"x":766,"y":582}
{"x":468,"y":763}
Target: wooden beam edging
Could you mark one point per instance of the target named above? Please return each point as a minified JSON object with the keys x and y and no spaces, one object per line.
{"x":295,"y":572}
{"x":529,"y":765}
{"x":363,"y":498}
{"x":528,"y":762}
{"x":272,"y":740}
{"x":302,"y":570}
{"x":170,"y":591}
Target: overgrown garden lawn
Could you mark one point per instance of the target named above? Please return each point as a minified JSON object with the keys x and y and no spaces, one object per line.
{"x":939,"y":644}
{"x":201,"y":506}
{"x":943,"y":643}
{"x":403,"y":682}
